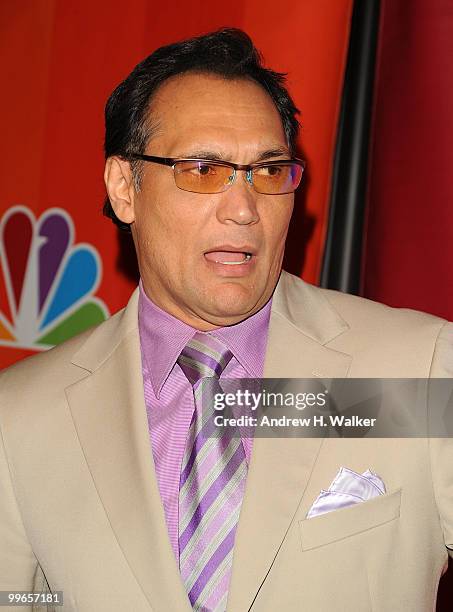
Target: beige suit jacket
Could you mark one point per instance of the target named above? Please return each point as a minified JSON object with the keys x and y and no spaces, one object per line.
{"x":79,"y":500}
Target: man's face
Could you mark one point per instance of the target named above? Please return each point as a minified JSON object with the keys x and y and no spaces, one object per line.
{"x":191,"y":247}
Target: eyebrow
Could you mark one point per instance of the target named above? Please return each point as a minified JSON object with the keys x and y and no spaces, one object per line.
{"x":269,"y":153}
{"x":216,"y":156}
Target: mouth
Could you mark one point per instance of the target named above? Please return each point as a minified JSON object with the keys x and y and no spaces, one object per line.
{"x":229,"y":258}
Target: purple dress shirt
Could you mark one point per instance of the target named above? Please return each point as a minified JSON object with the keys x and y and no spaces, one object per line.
{"x":168,"y":393}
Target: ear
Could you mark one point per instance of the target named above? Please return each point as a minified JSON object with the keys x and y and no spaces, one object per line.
{"x":120,"y":188}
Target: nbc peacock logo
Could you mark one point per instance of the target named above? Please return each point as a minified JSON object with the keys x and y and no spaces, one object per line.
{"x":47,"y":283}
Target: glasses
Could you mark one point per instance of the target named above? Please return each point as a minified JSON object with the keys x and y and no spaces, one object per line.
{"x":210,"y":176}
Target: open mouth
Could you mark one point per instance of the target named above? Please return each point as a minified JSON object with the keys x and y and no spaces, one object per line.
{"x":229,"y":258}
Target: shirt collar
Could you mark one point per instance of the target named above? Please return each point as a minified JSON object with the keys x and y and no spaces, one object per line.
{"x":163,"y":336}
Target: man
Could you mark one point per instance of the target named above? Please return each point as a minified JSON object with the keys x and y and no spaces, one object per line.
{"x":101,"y":467}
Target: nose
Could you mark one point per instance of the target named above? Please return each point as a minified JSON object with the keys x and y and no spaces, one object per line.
{"x":238,"y":204}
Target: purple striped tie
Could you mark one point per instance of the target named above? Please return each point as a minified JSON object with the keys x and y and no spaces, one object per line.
{"x":211,"y":487}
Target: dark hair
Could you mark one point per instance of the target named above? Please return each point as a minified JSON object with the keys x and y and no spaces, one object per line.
{"x":229,"y":53}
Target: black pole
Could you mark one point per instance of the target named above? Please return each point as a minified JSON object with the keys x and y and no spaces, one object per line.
{"x":343,"y":249}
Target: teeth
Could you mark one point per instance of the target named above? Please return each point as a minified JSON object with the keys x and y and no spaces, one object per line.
{"x":248,"y":257}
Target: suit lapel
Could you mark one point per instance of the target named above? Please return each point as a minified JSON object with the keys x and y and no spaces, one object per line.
{"x":301,"y":323}
{"x":109,"y":413}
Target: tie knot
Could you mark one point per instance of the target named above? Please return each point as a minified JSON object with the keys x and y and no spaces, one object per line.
{"x":203,"y":357}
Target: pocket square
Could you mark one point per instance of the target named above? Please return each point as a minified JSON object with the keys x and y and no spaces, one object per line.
{"x":347,"y":488}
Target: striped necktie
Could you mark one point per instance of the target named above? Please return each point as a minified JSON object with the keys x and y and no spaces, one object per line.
{"x":211,"y":487}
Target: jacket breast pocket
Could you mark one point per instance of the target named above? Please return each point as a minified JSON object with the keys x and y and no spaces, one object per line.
{"x":339,"y":524}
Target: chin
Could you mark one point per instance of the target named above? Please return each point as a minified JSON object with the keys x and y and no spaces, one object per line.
{"x":235,"y":301}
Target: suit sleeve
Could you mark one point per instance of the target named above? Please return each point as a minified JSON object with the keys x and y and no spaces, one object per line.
{"x":441,"y":449}
{"x":18,"y":564}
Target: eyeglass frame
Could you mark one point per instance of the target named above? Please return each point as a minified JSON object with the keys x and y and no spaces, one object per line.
{"x":248,"y":168}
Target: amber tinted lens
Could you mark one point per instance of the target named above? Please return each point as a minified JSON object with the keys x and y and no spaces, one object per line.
{"x":277,"y":179}
{"x":202,"y":177}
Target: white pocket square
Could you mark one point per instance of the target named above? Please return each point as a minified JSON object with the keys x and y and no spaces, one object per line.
{"x":347,"y":488}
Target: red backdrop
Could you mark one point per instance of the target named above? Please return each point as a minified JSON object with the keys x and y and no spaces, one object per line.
{"x":409,"y":253}
{"x":60,"y":60}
